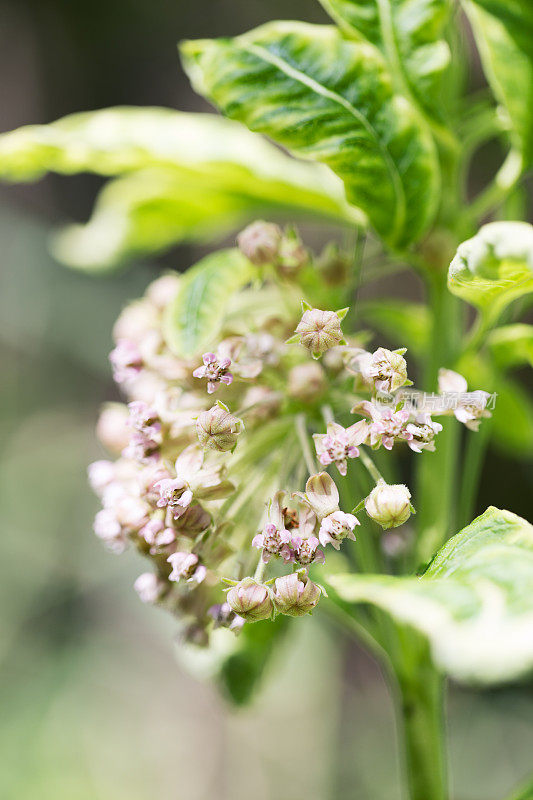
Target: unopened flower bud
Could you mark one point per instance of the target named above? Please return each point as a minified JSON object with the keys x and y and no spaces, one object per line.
{"x":336,"y":527}
{"x":112,"y":428}
{"x":318,"y":330}
{"x":163,"y":290}
{"x":307,"y":382}
{"x":135,"y":322}
{"x":293,"y":256}
{"x":260,"y":242}
{"x":217,"y":429}
{"x":390,"y":506}
{"x":251,"y":600}
{"x":295,"y":594}
{"x":149,"y":587}
{"x":321,"y":494}
{"x":334,"y":265}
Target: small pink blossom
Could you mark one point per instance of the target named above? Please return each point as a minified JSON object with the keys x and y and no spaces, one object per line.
{"x":274,"y":542}
{"x":387,"y":426}
{"x":336,"y":527}
{"x":174,"y":494}
{"x":215,"y":370}
{"x":306,"y":550}
{"x":126,"y":360}
{"x":186,"y":566}
{"x":339,"y":444}
{"x":386,"y":368}
{"x":156,"y":534}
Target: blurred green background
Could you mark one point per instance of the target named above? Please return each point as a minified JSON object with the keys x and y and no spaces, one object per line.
{"x":94,"y":702}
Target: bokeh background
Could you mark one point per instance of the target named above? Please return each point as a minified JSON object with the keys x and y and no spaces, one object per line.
{"x":95,"y":704}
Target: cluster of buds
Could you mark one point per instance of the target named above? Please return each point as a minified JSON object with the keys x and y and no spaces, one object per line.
{"x":265,"y":244}
{"x":198,"y":488}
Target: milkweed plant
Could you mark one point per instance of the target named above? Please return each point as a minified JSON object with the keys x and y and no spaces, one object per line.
{"x":284,"y":446}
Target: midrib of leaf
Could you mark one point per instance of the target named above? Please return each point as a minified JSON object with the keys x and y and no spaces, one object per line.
{"x":318,"y":88}
{"x":193,"y":308}
{"x":392,"y":51}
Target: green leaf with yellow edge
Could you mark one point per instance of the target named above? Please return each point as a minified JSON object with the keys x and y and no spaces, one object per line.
{"x":410,"y":33}
{"x":191,"y":177}
{"x":503,"y":30}
{"x":195,"y":316}
{"x":331,"y":100}
{"x":495,"y":267}
{"x":474,"y":603}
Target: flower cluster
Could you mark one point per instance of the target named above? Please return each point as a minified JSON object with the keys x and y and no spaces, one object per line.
{"x":206,"y":491}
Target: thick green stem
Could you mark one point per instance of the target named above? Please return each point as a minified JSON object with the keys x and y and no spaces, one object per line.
{"x":421,"y":724}
{"x":419,"y":692}
{"x":437,"y":472}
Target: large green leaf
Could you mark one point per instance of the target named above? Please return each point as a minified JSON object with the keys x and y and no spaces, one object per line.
{"x":148,"y":210}
{"x":512,"y":345}
{"x":494,"y":267}
{"x":474,"y":603}
{"x":185,"y":176}
{"x":330,"y":100}
{"x":504,"y":34}
{"x":194,"y":317}
{"x":410,"y":33}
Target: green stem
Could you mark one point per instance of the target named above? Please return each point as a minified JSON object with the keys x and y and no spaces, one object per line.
{"x":421,"y":723}
{"x":370,"y":466}
{"x":260,"y":569}
{"x":437,"y":472}
{"x":476,"y":447}
{"x":301,"y":429}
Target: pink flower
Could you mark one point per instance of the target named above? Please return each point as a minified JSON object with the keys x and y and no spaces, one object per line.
{"x":274,"y":542}
{"x":173,"y":494}
{"x":423,"y":430}
{"x":306,"y":550}
{"x":215,"y":370}
{"x":126,"y":360}
{"x":336,"y":527}
{"x":467,"y":407}
{"x":156,"y":534}
{"x":387,"y":368}
{"x":387,"y":426}
{"x":185,"y":565}
{"x":339,"y":444}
